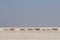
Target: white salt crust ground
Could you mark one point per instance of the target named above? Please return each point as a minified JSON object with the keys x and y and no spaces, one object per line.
{"x":6,"y":35}
{"x":29,"y":35}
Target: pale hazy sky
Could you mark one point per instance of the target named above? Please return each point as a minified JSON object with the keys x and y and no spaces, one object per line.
{"x":29,"y":12}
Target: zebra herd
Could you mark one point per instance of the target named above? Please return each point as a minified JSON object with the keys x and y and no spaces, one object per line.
{"x":31,"y":29}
